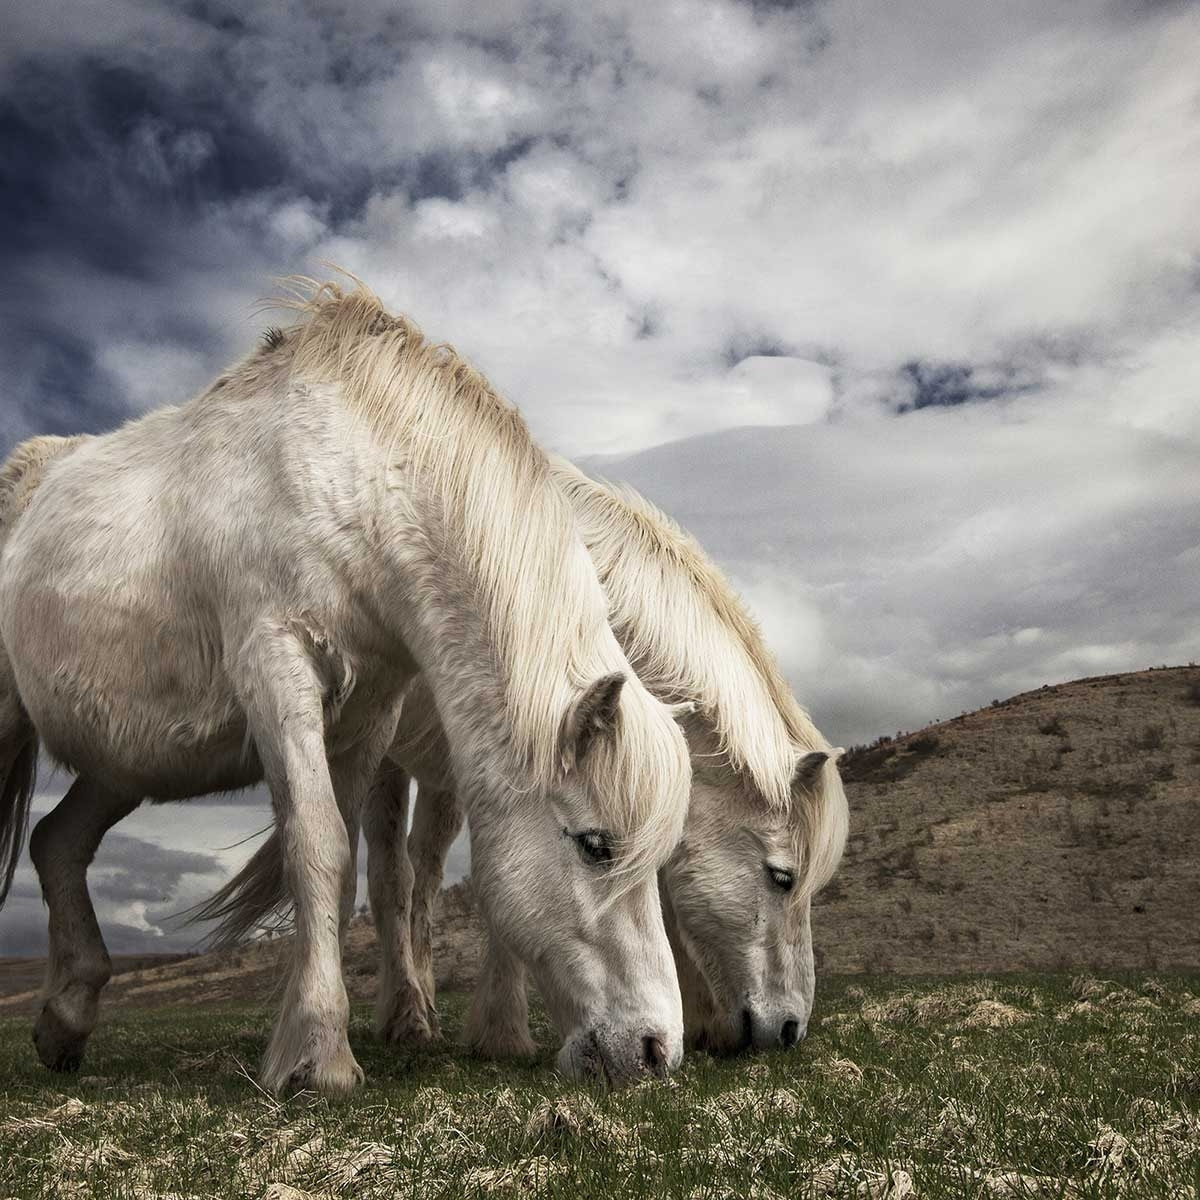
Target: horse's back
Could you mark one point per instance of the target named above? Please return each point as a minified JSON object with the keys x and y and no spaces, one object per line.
{"x":148,"y":556}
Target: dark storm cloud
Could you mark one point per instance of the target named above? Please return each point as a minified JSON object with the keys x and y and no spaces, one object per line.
{"x":55,"y":384}
{"x":946,"y":385}
{"x":130,"y":868}
{"x":131,"y":877}
{"x":148,"y":153}
{"x":109,"y":174}
{"x":23,"y":927}
{"x":106,"y":163}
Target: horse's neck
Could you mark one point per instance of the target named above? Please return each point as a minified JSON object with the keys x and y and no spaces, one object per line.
{"x":449,"y":636}
{"x":683,"y":629}
{"x":653,"y":604}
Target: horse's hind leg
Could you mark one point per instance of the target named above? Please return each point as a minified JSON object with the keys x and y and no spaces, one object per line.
{"x":402,"y":1013}
{"x":437,"y":820}
{"x":63,"y":844}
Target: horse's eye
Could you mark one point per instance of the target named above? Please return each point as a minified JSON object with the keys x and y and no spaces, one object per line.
{"x":782,"y":878}
{"x":595,"y":845}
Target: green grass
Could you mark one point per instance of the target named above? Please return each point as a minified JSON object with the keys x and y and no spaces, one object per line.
{"x":1018,"y":1086}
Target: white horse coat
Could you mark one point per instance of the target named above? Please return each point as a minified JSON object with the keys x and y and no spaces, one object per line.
{"x":240,"y":587}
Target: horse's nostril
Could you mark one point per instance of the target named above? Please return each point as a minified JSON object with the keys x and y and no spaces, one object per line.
{"x":747,"y":1029}
{"x":654,"y":1054}
{"x":789,"y":1035}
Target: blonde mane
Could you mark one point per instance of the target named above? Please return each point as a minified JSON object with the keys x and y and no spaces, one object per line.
{"x":689,"y":636}
{"x":517,"y":536}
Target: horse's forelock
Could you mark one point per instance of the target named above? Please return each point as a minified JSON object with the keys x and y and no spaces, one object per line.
{"x":819,"y":819}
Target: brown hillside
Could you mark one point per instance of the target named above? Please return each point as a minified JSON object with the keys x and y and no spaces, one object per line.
{"x":1060,"y":828}
{"x":23,"y":974}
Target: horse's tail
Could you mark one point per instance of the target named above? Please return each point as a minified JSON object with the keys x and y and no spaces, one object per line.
{"x":18,"y":767}
{"x":255,"y":898}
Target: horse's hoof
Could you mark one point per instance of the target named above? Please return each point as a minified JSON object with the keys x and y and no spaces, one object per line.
{"x":337,"y":1075}
{"x":58,"y":1045}
{"x":309,"y":1059}
{"x":409,"y":1028}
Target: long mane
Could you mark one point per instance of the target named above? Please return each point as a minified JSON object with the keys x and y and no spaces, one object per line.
{"x":690,"y":637}
{"x":515,"y":533}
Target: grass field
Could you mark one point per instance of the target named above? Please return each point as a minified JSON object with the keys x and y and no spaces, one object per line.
{"x":1020,"y":1086}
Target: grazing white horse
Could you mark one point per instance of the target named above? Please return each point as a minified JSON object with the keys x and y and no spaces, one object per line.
{"x":765,"y":829}
{"x":239,"y":588}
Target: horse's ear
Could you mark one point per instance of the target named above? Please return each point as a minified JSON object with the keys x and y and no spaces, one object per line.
{"x":684,"y":708}
{"x":808,"y":768}
{"x":593,"y":714}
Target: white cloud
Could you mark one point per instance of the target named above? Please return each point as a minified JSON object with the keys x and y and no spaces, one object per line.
{"x":911,"y":569}
{"x":779,"y":391}
{"x":150,"y":374}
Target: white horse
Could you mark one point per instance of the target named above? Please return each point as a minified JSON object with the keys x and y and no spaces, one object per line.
{"x":765,"y":829}
{"x":239,"y":588}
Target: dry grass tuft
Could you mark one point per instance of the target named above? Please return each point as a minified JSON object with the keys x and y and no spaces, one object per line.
{"x":1081,"y":1008}
{"x":347,"y":1168}
{"x":63,"y":1114}
{"x":842,"y":1176}
{"x":841,"y":1071}
{"x":992,"y":1014}
{"x":576,"y":1118}
{"x":525,"y":1177}
{"x":1109,"y":1151}
{"x":283,"y":1191}
{"x":1013,"y":1185}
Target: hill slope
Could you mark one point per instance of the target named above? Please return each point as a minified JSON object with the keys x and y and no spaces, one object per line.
{"x":1060,"y":828}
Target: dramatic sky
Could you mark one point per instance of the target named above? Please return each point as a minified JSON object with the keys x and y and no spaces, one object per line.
{"x":894,"y":305}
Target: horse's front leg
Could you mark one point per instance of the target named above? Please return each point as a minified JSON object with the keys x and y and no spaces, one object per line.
{"x":437,"y":821}
{"x":402,"y":1014}
{"x":64,"y":842}
{"x":498,"y":1023}
{"x":282,"y":695}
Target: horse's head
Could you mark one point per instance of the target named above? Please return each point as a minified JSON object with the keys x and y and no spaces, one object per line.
{"x":566,"y":876}
{"x":737,"y":896}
